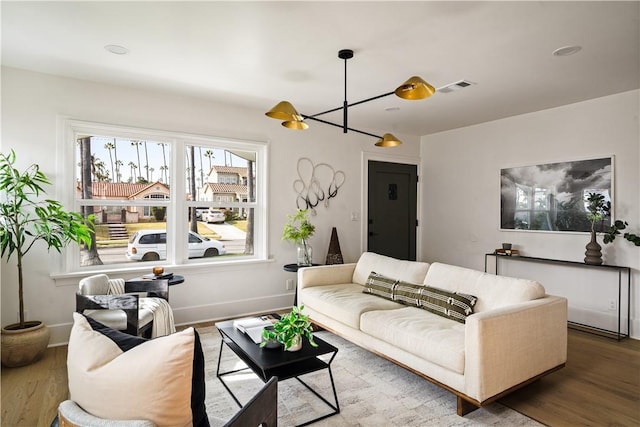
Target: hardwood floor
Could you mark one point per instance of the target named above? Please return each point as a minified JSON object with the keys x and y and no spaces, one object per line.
{"x":600,"y":386}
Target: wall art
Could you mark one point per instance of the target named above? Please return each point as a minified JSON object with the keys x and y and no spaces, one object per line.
{"x":551,"y":197}
{"x":315,"y":184}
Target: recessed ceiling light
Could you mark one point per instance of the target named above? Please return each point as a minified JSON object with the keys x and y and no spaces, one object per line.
{"x":118,"y":50}
{"x":567,"y":50}
{"x":392,"y":109}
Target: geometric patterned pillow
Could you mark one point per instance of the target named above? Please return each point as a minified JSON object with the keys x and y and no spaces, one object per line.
{"x":379,"y":285}
{"x":452,"y":305}
{"x":407,"y":293}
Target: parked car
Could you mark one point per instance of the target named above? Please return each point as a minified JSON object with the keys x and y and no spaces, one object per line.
{"x":151,"y":245}
{"x":213,"y":215}
{"x":200,"y":211}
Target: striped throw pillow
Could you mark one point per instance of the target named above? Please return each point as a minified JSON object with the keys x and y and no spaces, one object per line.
{"x":379,"y":285}
{"x":452,"y":305}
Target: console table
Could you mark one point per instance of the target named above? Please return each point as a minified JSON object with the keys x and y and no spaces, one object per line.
{"x":620,"y":269}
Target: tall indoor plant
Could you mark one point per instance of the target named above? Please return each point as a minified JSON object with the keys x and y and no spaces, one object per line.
{"x":299,"y":230}
{"x":26,"y":218}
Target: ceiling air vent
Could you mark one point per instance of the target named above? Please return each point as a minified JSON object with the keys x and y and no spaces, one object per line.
{"x":452,"y":87}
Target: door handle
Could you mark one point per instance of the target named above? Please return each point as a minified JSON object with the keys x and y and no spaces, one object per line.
{"x":371,"y":233}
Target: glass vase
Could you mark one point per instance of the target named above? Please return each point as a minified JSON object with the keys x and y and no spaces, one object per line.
{"x":305,"y":254}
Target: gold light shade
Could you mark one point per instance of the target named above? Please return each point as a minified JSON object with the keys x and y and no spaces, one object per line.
{"x":295,"y":124}
{"x":388,"y":140}
{"x":415,"y":88}
{"x":284,"y":111}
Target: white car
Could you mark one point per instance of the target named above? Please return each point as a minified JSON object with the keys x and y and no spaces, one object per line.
{"x":213,"y":215}
{"x":151,"y":245}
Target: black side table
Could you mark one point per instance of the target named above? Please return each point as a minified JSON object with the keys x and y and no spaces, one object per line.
{"x":293,"y":268}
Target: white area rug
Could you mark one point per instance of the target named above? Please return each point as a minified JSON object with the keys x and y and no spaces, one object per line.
{"x":371,"y":392}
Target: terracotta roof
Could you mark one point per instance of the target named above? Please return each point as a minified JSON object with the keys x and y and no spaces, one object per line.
{"x":230,"y":169}
{"x":227,"y":188}
{"x":121,"y":190}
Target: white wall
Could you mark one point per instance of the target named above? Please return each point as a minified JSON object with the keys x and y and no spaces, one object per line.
{"x":461,"y":207}
{"x":31,"y":103}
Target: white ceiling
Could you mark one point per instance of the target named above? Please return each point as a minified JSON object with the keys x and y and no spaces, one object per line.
{"x":255,"y":54}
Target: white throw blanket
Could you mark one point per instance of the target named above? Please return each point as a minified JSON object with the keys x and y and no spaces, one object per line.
{"x":163,"y":323}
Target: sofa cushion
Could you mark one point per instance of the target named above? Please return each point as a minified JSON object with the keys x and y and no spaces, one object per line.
{"x":407,"y":293}
{"x":492,"y":291}
{"x":343,"y":302}
{"x":409,"y":271}
{"x":379,"y":285}
{"x":118,"y":376}
{"x":430,"y":337}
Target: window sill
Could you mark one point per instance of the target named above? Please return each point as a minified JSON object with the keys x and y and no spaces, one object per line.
{"x":71,"y":279}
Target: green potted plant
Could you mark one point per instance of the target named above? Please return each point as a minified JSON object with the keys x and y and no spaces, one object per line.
{"x":298,"y":230}
{"x":25,"y":219}
{"x":289,"y":330}
{"x":598,"y":209}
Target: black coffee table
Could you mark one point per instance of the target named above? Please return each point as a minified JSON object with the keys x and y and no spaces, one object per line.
{"x":267,"y":363}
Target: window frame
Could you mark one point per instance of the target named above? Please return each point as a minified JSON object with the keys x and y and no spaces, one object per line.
{"x":177,"y":207}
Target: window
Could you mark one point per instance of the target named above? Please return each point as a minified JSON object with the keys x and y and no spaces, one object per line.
{"x":147,"y":190}
{"x":533,"y":208}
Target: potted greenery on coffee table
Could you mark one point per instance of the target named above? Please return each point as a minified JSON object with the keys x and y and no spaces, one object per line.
{"x":26,"y":218}
{"x":289,"y":330}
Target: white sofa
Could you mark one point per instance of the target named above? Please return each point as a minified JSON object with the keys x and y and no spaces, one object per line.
{"x":516,"y":334}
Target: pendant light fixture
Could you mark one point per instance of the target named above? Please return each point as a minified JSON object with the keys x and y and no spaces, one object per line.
{"x":413,"y":89}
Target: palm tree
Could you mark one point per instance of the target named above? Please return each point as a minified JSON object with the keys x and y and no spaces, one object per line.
{"x":192,"y":189}
{"x":163,"y":170}
{"x":132,"y":168}
{"x":111,"y":146}
{"x":209,"y":155}
{"x":98,"y":169}
{"x":146,"y":157}
{"x":164,"y":167}
{"x":151,"y":172}
{"x":89,"y":256}
{"x":118,"y":174}
{"x":136,"y":143}
{"x":201,"y":171}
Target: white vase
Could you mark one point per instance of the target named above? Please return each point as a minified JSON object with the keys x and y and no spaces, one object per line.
{"x":296,"y":344}
{"x":305,"y":254}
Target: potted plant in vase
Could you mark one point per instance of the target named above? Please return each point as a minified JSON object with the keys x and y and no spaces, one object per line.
{"x":25,"y":219}
{"x":299,"y":230}
{"x":289,"y":330}
{"x":598,"y":209}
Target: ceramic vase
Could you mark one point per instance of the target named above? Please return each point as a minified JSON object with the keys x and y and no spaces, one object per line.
{"x":593,"y":254}
{"x":296,"y":344}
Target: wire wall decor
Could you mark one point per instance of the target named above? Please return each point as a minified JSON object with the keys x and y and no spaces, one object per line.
{"x":316,"y":184}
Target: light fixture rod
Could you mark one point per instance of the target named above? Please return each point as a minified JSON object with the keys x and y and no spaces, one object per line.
{"x":340,"y":126}
{"x":352,"y":105}
{"x":345,"y":106}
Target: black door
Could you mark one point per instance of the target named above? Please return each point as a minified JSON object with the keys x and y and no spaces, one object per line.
{"x":392,"y":209}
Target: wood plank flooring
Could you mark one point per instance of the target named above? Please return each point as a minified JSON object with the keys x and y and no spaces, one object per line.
{"x":600,"y":386}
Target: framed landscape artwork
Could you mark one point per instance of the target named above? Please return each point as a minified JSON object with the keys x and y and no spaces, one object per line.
{"x":551,"y":197}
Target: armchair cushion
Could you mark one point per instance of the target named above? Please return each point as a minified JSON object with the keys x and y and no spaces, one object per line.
{"x":118,"y":376}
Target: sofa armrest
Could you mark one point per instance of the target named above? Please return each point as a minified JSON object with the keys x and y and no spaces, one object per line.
{"x":509,"y":345}
{"x":325,"y":275}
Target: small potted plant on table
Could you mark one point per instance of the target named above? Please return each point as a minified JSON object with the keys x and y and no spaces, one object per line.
{"x":289,"y":330}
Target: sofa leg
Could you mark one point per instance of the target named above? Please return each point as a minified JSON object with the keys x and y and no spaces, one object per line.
{"x":465,"y":407}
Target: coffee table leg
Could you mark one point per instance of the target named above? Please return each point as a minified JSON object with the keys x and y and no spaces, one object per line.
{"x":219,"y":375}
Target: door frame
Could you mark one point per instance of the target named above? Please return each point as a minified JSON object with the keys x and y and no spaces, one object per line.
{"x":364,"y":179}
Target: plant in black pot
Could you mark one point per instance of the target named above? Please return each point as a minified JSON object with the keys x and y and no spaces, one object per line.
{"x":26,"y":218}
{"x":289,"y":330}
